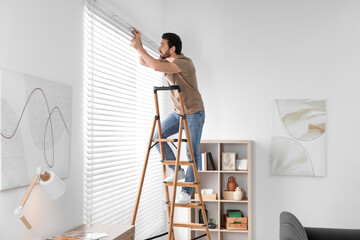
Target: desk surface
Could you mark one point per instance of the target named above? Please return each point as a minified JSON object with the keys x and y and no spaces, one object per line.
{"x":116,"y":232}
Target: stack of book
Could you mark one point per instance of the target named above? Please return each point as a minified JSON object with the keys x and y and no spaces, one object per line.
{"x":206,"y":162}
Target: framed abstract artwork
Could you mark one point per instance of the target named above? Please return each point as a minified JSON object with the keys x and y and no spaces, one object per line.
{"x":298,"y":137}
{"x":35,"y":128}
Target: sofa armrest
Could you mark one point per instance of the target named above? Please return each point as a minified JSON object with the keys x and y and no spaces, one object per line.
{"x":332,"y":234}
{"x":291,"y":228}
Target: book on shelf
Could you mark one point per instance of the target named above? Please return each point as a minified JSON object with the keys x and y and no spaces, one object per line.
{"x":210,"y":160}
{"x":206,"y":162}
{"x":203,"y":160}
{"x":79,"y":235}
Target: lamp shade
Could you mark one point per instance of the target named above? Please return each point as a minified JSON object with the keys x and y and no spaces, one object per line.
{"x":52,"y":185}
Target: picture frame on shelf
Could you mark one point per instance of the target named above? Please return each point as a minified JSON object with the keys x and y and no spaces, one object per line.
{"x":241,"y":164}
{"x":228,"y":161}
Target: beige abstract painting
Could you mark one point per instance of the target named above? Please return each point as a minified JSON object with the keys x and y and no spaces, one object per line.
{"x":35,"y":119}
{"x":298,"y":143}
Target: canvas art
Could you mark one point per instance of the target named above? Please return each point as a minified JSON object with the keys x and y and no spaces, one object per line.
{"x":35,"y":128}
{"x":228,"y":160}
{"x":298,"y":137}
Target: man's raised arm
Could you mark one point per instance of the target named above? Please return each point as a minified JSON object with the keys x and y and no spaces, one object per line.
{"x":147,"y":60}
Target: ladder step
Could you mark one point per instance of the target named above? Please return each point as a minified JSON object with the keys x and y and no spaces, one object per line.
{"x":168,"y":140}
{"x":189,"y":205}
{"x":170,"y":162}
{"x":181,"y":184}
{"x":190,"y":225}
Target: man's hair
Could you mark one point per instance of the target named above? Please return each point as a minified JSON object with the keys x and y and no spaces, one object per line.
{"x":173,"y":40}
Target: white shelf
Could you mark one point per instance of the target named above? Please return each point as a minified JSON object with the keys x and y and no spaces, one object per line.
{"x":193,"y":200}
{"x":203,"y":230}
{"x":233,"y":201}
{"x":222,"y":200}
{"x":226,"y":171}
{"x":233,"y":230}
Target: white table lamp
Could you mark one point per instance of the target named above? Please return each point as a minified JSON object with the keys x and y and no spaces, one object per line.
{"x":53,"y":187}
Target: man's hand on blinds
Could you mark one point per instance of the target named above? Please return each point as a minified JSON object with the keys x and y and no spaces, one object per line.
{"x":136,"y":41}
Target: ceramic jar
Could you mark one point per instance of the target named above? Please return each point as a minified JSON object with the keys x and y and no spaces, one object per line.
{"x":237,"y":194}
{"x":231,"y":185}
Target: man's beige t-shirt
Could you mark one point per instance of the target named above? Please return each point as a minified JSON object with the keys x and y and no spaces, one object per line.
{"x":187,"y":81}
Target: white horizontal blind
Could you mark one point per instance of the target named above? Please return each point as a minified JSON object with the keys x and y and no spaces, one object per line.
{"x":119,"y":110}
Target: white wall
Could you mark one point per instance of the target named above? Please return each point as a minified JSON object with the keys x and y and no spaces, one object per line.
{"x":44,"y":39}
{"x":250,"y":52}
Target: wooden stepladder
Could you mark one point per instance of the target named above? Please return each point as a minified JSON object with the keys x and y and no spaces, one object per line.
{"x":171,"y":204}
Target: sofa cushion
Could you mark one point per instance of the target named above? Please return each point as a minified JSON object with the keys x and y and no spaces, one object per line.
{"x":291,"y":228}
{"x":332,"y":234}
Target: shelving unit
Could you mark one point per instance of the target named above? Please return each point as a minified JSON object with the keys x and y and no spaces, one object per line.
{"x":217,"y":180}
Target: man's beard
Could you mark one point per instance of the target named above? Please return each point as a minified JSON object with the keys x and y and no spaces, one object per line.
{"x":165,"y":55}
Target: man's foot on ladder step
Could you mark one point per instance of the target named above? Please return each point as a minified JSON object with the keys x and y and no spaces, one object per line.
{"x":181,"y":175}
{"x":183,"y":198}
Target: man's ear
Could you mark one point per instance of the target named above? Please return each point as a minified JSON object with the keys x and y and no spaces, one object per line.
{"x":172,"y":49}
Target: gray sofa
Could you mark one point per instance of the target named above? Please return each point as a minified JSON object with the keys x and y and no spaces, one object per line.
{"x":292,"y":229}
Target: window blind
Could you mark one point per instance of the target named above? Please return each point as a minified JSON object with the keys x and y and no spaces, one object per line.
{"x":118,"y":113}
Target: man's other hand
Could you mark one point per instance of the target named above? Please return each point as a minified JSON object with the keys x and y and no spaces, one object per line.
{"x":136,"y":41}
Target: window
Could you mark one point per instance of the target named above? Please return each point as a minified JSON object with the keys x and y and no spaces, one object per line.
{"x":119,"y":110}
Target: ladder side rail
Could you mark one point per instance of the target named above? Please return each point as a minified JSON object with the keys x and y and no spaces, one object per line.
{"x":167,"y":197}
{"x":171,"y":220}
{"x":143,"y":173}
{"x":196,"y":178}
{"x":159,"y":125}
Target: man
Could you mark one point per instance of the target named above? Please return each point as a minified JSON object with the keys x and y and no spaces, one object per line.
{"x":178,"y":70}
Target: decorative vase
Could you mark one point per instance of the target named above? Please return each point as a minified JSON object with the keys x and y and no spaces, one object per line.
{"x":231,"y":185}
{"x":237,"y":194}
{"x":211,"y":224}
